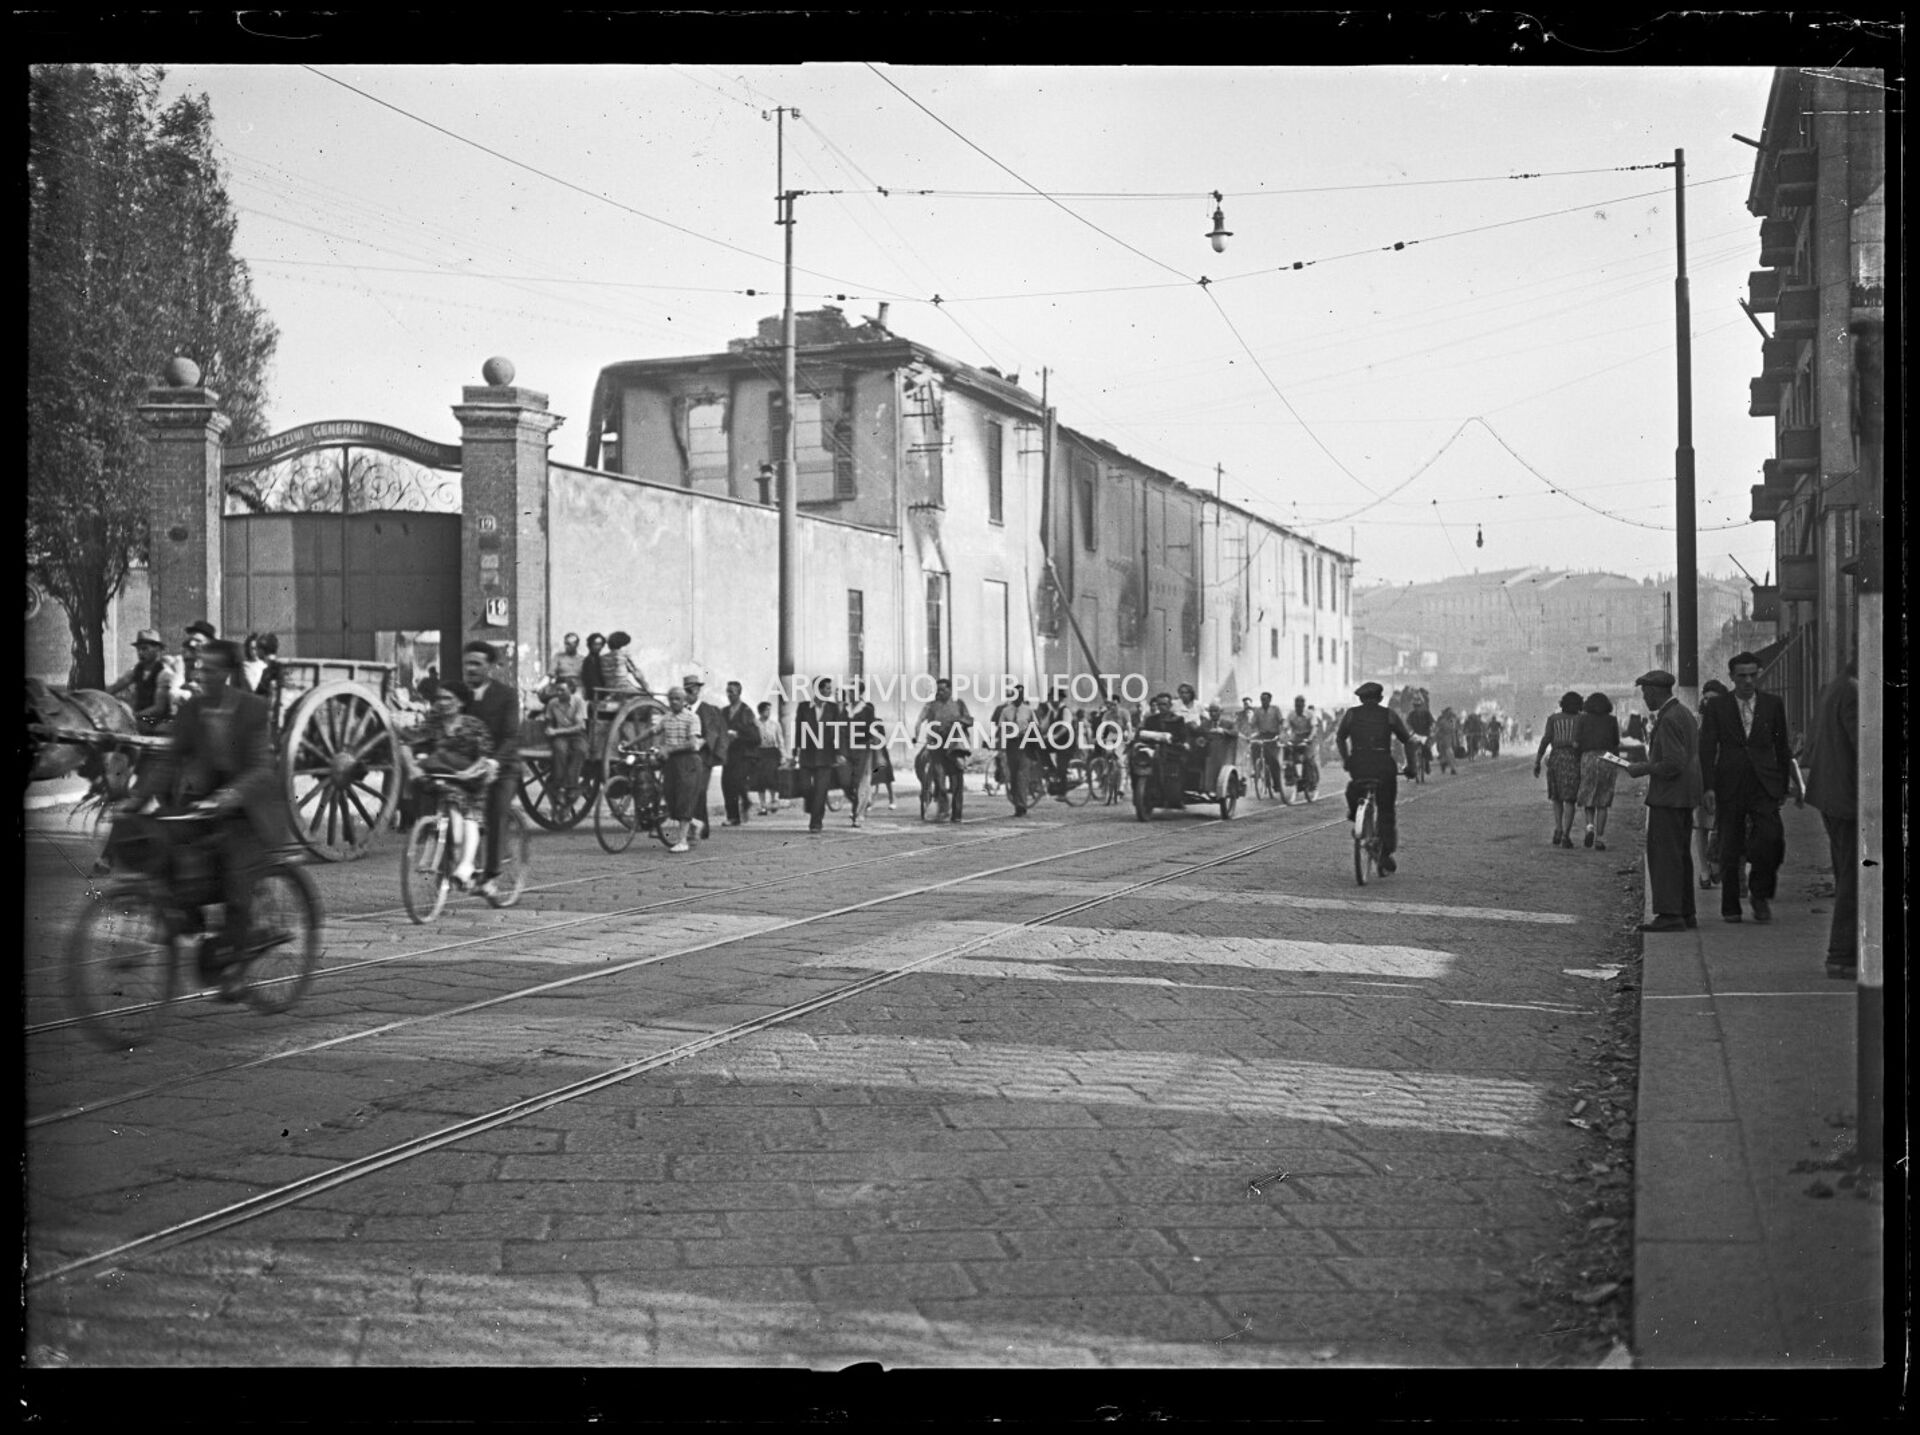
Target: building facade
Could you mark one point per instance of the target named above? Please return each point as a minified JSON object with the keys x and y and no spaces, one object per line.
{"x":1021,"y":547}
{"x":1818,"y":189}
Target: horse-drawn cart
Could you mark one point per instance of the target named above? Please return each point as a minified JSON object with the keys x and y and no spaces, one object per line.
{"x":340,"y":764}
{"x":334,"y":728}
{"x":615,"y":718}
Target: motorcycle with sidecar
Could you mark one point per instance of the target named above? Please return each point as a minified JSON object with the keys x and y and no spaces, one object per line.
{"x":1167,"y":772}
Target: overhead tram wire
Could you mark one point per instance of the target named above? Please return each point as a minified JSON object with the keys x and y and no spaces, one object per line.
{"x":1393,"y":247}
{"x":1265,"y":193}
{"x":1082,"y":219}
{"x":591,"y":194}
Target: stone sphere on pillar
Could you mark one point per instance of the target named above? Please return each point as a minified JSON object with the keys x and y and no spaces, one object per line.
{"x":181,"y":372}
{"x":497,"y":371}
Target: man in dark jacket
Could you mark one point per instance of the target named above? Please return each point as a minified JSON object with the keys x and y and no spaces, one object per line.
{"x":1833,"y":787}
{"x":484,"y":696}
{"x":742,"y":752}
{"x":1672,"y":763}
{"x":222,"y":755}
{"x":713,"y":744}
{"x":1747,"y":765}
{"x":1365,"y":740}
{"x":819,"y":740}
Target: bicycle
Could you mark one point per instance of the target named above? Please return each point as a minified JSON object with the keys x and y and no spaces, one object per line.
{"x":1422,"y":762}
{"x":1105,"y":776}
{"x":932,"y":776}
{"x":1366,"y":833}
{"x":1260,"y":751}
{"x":1302,"y":773}
{"x":426,"y":867}
{"x":124,"y":954}
{"x":635,"y":799}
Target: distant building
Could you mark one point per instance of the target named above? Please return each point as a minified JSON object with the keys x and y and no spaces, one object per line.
{"x":1520,"y":635}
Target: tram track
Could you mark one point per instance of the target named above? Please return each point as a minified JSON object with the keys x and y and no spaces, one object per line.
{"x":289,"y":1193}
{"x":541,"y":989}
{"x":617,"y":969}
{"x":524,"y":933}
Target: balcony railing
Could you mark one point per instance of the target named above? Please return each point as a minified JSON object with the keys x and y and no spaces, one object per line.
{"x":1766,"y":504}
{"x":1799,"y":447}
{"x":1779,"y":358}
{"x":1778,"y":240}
{"x":1794,"y":179}
{"x":1763,"y":397}
{"x":1797,"y":312}
{"x":1763,"y":291}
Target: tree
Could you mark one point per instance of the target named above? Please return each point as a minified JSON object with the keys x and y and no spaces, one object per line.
{"x":129,"y":262}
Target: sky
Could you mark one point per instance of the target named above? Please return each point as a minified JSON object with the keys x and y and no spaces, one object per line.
{"x":1499,"y":392}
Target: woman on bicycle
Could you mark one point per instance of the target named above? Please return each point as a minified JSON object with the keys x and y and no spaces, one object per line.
{"x":456,"y":748}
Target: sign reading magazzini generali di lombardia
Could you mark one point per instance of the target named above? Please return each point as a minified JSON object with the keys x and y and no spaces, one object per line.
{"x":343,"y":431}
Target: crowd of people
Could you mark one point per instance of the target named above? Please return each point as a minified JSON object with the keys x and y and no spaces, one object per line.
{"x":1718,"y":776}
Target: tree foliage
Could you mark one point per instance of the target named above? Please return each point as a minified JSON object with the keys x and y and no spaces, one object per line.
{"x":130,"y":262}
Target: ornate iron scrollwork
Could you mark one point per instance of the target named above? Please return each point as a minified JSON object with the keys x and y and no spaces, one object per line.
{"x":347,"y":479}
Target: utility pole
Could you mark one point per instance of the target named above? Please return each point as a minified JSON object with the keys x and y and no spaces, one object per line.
{"x":789,"y":452}
{"x":1687,"y":669}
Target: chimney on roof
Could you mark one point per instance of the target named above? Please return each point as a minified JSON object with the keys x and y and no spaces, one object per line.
{"x":880,"y":319}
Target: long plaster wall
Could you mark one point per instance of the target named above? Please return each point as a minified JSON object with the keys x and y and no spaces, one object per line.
{"x":695,"y":579}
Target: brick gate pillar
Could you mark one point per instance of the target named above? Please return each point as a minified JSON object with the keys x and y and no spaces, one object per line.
{"x":504,"y":574}
{"x":184,"y":430}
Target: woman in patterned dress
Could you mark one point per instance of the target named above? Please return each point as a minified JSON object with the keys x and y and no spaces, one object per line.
{"x":1599,"y":733}
{"x":1560,"y":748}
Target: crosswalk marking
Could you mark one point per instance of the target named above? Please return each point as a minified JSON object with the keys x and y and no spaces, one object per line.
{"x":1178,"y":1081}
{"x":1038,"y":953}
{"x":1174,"y":892}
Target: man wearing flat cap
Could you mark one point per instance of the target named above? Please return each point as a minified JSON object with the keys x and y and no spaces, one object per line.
{"x":199,"y":633}
{"x":1365,"y":741}
{"x":1673,"y":764}
{"x":713,"y":744}
{"x":152,"y":683}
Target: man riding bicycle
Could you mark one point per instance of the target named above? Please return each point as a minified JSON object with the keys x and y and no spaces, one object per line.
{"x":1268,"y":723}
{"x":496,"y":705}
{"x":945,"y":735}
{"x":1300,"y":737}
{"x":221,"y":763}
{"x":1365,"y":741}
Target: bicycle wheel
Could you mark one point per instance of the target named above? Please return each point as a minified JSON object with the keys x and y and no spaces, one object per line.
{"x":1262,"y":784}
{"x":516,"y":855}
{"x":425,"y":872}
{"x":1079,"y":783}
{"x":1366,"y":843}
{"x":120,"y":969}
{"x":613,"y":819}
{"x":285,"y":940}
{"x":1309,"y":784}
{"x":1106,"y":778}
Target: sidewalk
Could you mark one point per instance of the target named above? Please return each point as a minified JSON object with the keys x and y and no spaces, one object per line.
{"x":1753,"y":1243}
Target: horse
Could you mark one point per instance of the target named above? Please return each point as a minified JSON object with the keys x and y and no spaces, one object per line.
{"x":108,"y":769}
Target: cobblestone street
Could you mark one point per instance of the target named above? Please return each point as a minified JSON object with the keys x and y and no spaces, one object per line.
{"x":1069,"y":1090}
